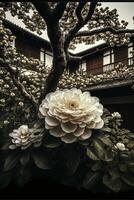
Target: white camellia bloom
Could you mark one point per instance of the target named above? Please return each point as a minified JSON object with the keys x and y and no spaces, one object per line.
{"x":71,"y":114}
{"x":24,"y":137}
{"x":120,"y":146}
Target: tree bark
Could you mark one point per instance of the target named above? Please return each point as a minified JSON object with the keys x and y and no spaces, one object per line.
{"x":59,"y":58}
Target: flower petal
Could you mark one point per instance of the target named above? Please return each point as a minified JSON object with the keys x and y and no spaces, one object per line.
{"x":91,"y":125}
{"x":51,"y":121}
{"x":82,"y":125}
{"x":79,"y":131}
{"x":42,"y":111}
{"x":23,"y":129}
{"x":99,"y":125}
{"x":12,"y":146}
{"x":87,"y":134}
{"x":57,"y":132}
{"x":68,"y":127}
{"x":68,"y":138}
{"x":47,"y":126}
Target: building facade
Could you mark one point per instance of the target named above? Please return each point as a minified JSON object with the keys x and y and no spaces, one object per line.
{"x":103,"y":58}
{"x":116,"y":95}
{"x":30,"y":44}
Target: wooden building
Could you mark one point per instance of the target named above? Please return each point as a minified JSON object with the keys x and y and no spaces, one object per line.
{"x":116,"y":95}
{"x":29,"y":44}
{"x":102,"y":58}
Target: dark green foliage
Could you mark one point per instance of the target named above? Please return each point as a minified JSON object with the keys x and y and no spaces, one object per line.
{"x":11,"y":161}
{"x":94,"y":164}
{"x":22,"y":176}
{"x":112,"y":181}
{"x":51,"y":142}
{"x":5,"y":178}
{"x":91,"y":179}
{"x":100,"y":148}
{"x":41,"y":159}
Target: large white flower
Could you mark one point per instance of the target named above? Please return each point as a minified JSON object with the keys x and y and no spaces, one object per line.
{"x":71,"y":114}
{"x":24,"y":137}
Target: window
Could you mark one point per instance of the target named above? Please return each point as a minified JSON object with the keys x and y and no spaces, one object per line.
{"x":48,"y":59}
{"x":108,"y":60}
{"x":130,"y":56}
{"x":83,"y":66}
{"x":42,"y":55}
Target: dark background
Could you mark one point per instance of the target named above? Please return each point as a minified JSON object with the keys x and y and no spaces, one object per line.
{"x":46,"y":189}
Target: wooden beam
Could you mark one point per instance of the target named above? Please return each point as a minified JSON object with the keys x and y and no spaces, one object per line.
{"x":117,"y":100}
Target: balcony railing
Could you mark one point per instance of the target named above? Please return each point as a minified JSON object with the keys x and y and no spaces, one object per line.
{"x":105,"y":68}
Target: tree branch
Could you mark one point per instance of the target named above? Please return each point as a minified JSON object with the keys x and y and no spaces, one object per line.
{"x":91,"y":12}
{"x":59,"y":10}
{"x":73,"y":63}
{"x":81,"y":21}
{"x":77,"y":27}
{"x":18,"y":84}
{"x":103,"y":30}
{"x":44,"y":10}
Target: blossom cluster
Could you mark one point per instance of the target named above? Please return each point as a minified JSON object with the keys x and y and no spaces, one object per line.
{"x":85,"y":80}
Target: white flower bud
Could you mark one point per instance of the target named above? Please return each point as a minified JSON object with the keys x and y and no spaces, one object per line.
{"x":116,"y":115}
{"x":2,"y":100}
{"x":120,"y":146}
{"x":12,"y":94}
{"x":21,"y":103}
{"x":6,"y":122}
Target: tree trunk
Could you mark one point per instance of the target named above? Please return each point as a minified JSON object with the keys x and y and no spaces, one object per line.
{"x":59,"y":58}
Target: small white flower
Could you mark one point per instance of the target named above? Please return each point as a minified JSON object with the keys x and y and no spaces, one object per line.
{"x":116,"y":115}
{"x":12,"y":94}
{"x":71,"y":114}
{"x":6,"y":122}
{"x":24,"y":137}
{"x":120,"y":146}
{"x":2,"y":100}
{"x":21,"y":103}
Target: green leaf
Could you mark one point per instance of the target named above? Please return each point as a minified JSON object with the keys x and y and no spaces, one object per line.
{"x":105,"y":140}
{"x":41,"y":160}
{"x":6,"y":146}
{"x":25,"y":156}
{"x":114,"y":172}
{"x":51,"y":142}
{"x":91,"y":154}
{"x":130,"y":167}
{"x":112,"y":183}
{"x":122,"y":167}
{"x":131,"y":135}
{"x":124,"y":156}
{"x":97,"y":166}
{"x":71,"y":158}
{"x":22,"y":176}
{"x":5,"y":178}
{"x":107,"y":129}
{"x":128,"y":179}
{"x":11,"y":161}
{"x":101,"y":151}
{"x":91,"y":179}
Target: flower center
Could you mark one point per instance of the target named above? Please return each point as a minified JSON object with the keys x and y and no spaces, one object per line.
{"x":72,"y":104}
